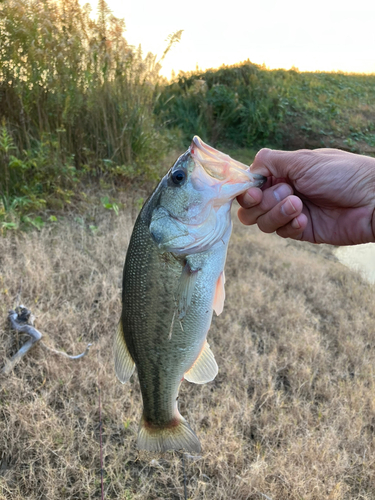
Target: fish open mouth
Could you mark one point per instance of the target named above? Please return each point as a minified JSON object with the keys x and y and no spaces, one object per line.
{"x":221,"y":166}
{"x":193,"y":216}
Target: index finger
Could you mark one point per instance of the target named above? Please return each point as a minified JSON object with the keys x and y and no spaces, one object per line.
{"x":282,"y":164}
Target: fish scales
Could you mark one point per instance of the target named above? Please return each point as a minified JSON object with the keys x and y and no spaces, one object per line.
{"x":171,"y":283}
{"x":149,"y":286}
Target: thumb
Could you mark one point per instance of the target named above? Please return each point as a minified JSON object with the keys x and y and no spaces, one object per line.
{"x":272,"y":162}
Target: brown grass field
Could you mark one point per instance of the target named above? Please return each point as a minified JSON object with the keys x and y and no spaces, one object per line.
{"x":290,"y":416}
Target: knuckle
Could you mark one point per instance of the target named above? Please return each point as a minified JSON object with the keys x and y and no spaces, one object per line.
{"x":246,"y":216}
{"x":262,"y":154}
{"x":267,"y":223}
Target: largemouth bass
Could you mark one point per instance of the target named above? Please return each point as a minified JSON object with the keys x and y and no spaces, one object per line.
{"x":173,"y":280}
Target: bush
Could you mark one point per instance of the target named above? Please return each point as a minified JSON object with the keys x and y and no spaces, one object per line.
{"x":78,"y":80}
{"x":246,"y":105}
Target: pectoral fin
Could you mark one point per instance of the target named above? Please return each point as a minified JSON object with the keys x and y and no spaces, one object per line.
{"x":124,"y":364}
{"x":219,"y":298}
{"x":185,"y":290}
{"x":204,"y":369}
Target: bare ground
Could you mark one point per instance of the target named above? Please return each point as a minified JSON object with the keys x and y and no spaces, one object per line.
{"x":291,"y":414}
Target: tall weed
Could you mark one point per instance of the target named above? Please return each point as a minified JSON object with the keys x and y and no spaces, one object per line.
{"x":75,"y":99}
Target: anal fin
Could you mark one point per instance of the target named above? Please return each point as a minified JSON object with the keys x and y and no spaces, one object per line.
{"x":124,"y":364}
{"x":204,"y":368}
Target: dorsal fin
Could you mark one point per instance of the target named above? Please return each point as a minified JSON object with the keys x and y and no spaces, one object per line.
{"x":204,"y":368}
{"x":124,"y":364}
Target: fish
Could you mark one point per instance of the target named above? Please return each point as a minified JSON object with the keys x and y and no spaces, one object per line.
{"x":173,"y":280}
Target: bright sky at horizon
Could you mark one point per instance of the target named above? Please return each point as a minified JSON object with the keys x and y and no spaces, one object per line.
{"x":326,"y":35}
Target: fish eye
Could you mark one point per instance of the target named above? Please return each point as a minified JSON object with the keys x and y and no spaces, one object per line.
{"x":178,"y":176}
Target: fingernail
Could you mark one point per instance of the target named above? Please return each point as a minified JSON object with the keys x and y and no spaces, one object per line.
{"x":288,"y":208}
{"x":248,"y":200}
{"x":282,"y":192}
{"x":295,"y":224}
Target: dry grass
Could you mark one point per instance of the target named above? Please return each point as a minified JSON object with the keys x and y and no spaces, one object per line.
{"x":291,"y":414}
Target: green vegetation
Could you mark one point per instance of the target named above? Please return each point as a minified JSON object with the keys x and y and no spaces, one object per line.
{"x":75,"y":100}
{"x":247,"y":105}
{"x":78,"y":104}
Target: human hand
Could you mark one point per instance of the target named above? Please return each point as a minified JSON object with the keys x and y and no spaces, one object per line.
{"x":321,"y":196}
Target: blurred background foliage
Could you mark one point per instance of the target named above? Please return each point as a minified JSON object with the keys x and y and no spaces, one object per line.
{"x":78,"y":103}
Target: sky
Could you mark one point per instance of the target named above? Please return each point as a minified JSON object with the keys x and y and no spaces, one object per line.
{"x":319,"y":35}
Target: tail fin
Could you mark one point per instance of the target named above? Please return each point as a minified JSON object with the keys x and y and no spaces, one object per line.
{"x":176,"y":435}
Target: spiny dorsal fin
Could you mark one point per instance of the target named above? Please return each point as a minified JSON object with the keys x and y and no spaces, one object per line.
{"x":204,"y":369}
{"x":185,"y":290}
{"x":124,"y":364}
{"x":219,"y":298}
